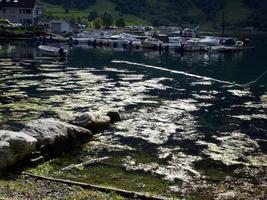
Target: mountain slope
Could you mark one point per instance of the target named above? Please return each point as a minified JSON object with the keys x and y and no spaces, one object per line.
{"x":170,"y":12}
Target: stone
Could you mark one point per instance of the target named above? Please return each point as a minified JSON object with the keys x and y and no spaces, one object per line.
{"x":114,"y":116}
{"x":55,"y":137}
{"x":15,"y":146}
{"x":92,"y":121}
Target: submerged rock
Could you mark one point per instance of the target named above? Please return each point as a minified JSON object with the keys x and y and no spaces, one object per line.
{"x":114,"y":116}
{"x":92,"y":121}
{"x":14,"y":146}
{"x":55,"y":137}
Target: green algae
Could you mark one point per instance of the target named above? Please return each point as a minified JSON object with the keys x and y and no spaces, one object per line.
{"x":109,"y":173}
{"x":117,"y":177}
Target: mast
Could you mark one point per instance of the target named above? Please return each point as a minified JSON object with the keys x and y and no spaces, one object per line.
{"x":223,"y":24}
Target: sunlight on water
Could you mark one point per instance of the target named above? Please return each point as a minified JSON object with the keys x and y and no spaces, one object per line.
{"x":178,"y":118}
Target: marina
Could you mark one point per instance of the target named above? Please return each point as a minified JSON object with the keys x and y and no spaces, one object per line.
{"x":153,"y":42}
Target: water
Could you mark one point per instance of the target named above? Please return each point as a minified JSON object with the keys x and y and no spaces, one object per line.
{"x":181,"y":133}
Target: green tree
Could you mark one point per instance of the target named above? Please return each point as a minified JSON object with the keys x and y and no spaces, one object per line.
{"x":50,"y":15}
{"x":97,"y":23}
{"x":92,"y":15}
{"x":79,"y":20}
{"x":120,"y":22}
{"x":73,"y":20}
{"x":67,"y":10}
{"x":107,"y":19}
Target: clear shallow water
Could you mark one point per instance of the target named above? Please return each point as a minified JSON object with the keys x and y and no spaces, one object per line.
{"x":178,"y":127}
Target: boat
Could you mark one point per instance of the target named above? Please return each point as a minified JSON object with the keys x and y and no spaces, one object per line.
{"x":151,"y":43}
{"x":217,"y":41}
{"x":233,"y":49}
{"x":52,"y":51}
{"x":210,"y":41}
{"x":190,"y":32}
{"x":194,"y":46}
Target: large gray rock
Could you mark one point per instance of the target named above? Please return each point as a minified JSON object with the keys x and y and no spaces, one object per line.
{"x":55,"y":137}
{"x":14,"y":146}
{"x":92,"y":121}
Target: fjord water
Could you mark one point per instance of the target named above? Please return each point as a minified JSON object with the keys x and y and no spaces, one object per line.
{"x":178,"y":132}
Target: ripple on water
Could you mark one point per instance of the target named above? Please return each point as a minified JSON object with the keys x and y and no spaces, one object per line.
{"x":163,"y":117}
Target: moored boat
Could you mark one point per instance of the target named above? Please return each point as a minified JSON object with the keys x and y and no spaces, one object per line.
{"x":151,"y":43}
{"x":210,"y":41}
{"x":194,"y":46}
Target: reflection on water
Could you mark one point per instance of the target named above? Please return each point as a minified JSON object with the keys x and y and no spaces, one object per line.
{"x":201,"y":58}
{"x":184,"y":127}
{"x":26,"y":50}
{"x":18,"y":50}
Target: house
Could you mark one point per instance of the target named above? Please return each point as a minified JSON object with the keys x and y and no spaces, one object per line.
{"x":25,"y":12}
{"x":60,"y":26}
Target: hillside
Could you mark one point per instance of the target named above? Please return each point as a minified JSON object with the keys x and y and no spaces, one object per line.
{"x":206,"y":13}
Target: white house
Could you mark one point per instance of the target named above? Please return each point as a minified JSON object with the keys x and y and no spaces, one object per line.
{"x":26,"y":12}
{"x":60,"y":26}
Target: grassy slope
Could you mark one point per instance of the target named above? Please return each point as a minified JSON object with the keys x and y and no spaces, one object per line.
{"x":101,"y":6}
{"x":234,"y":12}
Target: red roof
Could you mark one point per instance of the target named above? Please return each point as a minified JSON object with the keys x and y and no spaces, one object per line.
{"x":18,"y":3}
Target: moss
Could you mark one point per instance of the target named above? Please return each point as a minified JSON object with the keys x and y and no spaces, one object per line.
{"x":44,"y":169}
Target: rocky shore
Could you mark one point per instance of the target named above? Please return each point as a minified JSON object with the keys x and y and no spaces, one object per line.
{"x":51,"y":137}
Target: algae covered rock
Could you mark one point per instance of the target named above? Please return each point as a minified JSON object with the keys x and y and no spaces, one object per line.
{"x":54,"y":136}
{"x":14,"y":146}
{"x":95,"y":122}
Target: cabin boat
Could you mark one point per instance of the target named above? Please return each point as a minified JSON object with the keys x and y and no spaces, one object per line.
{"x":228,"y":42}
{"x":194,"y":46}
{"x":189,"y":32}
{"x":210,"y":41}
{"x":217,"y":41}
{"x":151,"y":43}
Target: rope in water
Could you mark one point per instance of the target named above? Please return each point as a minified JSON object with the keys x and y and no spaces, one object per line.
{"x":253,"y":82}
{"x":190,"y":75}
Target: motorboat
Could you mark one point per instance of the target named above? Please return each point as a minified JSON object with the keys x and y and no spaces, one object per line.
{"x":152,"y":43}
{"x":190,"y":32}
{"x":194,"y":46}
{"x":177,"y":40}
{"x":52,"y":51}
{"x":217,"y":41}
{"x":210,"y":41}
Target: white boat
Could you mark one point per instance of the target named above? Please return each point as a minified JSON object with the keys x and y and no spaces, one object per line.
{"x":177,"y":39}
{"x":194,"y":46}
{"x":171,"y":46}
{"x":51,"y":51}
{"x":190,"y":32}
{"x":217,"y":41}
{"x":210,"y":41}
{"x":151,"y":43}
